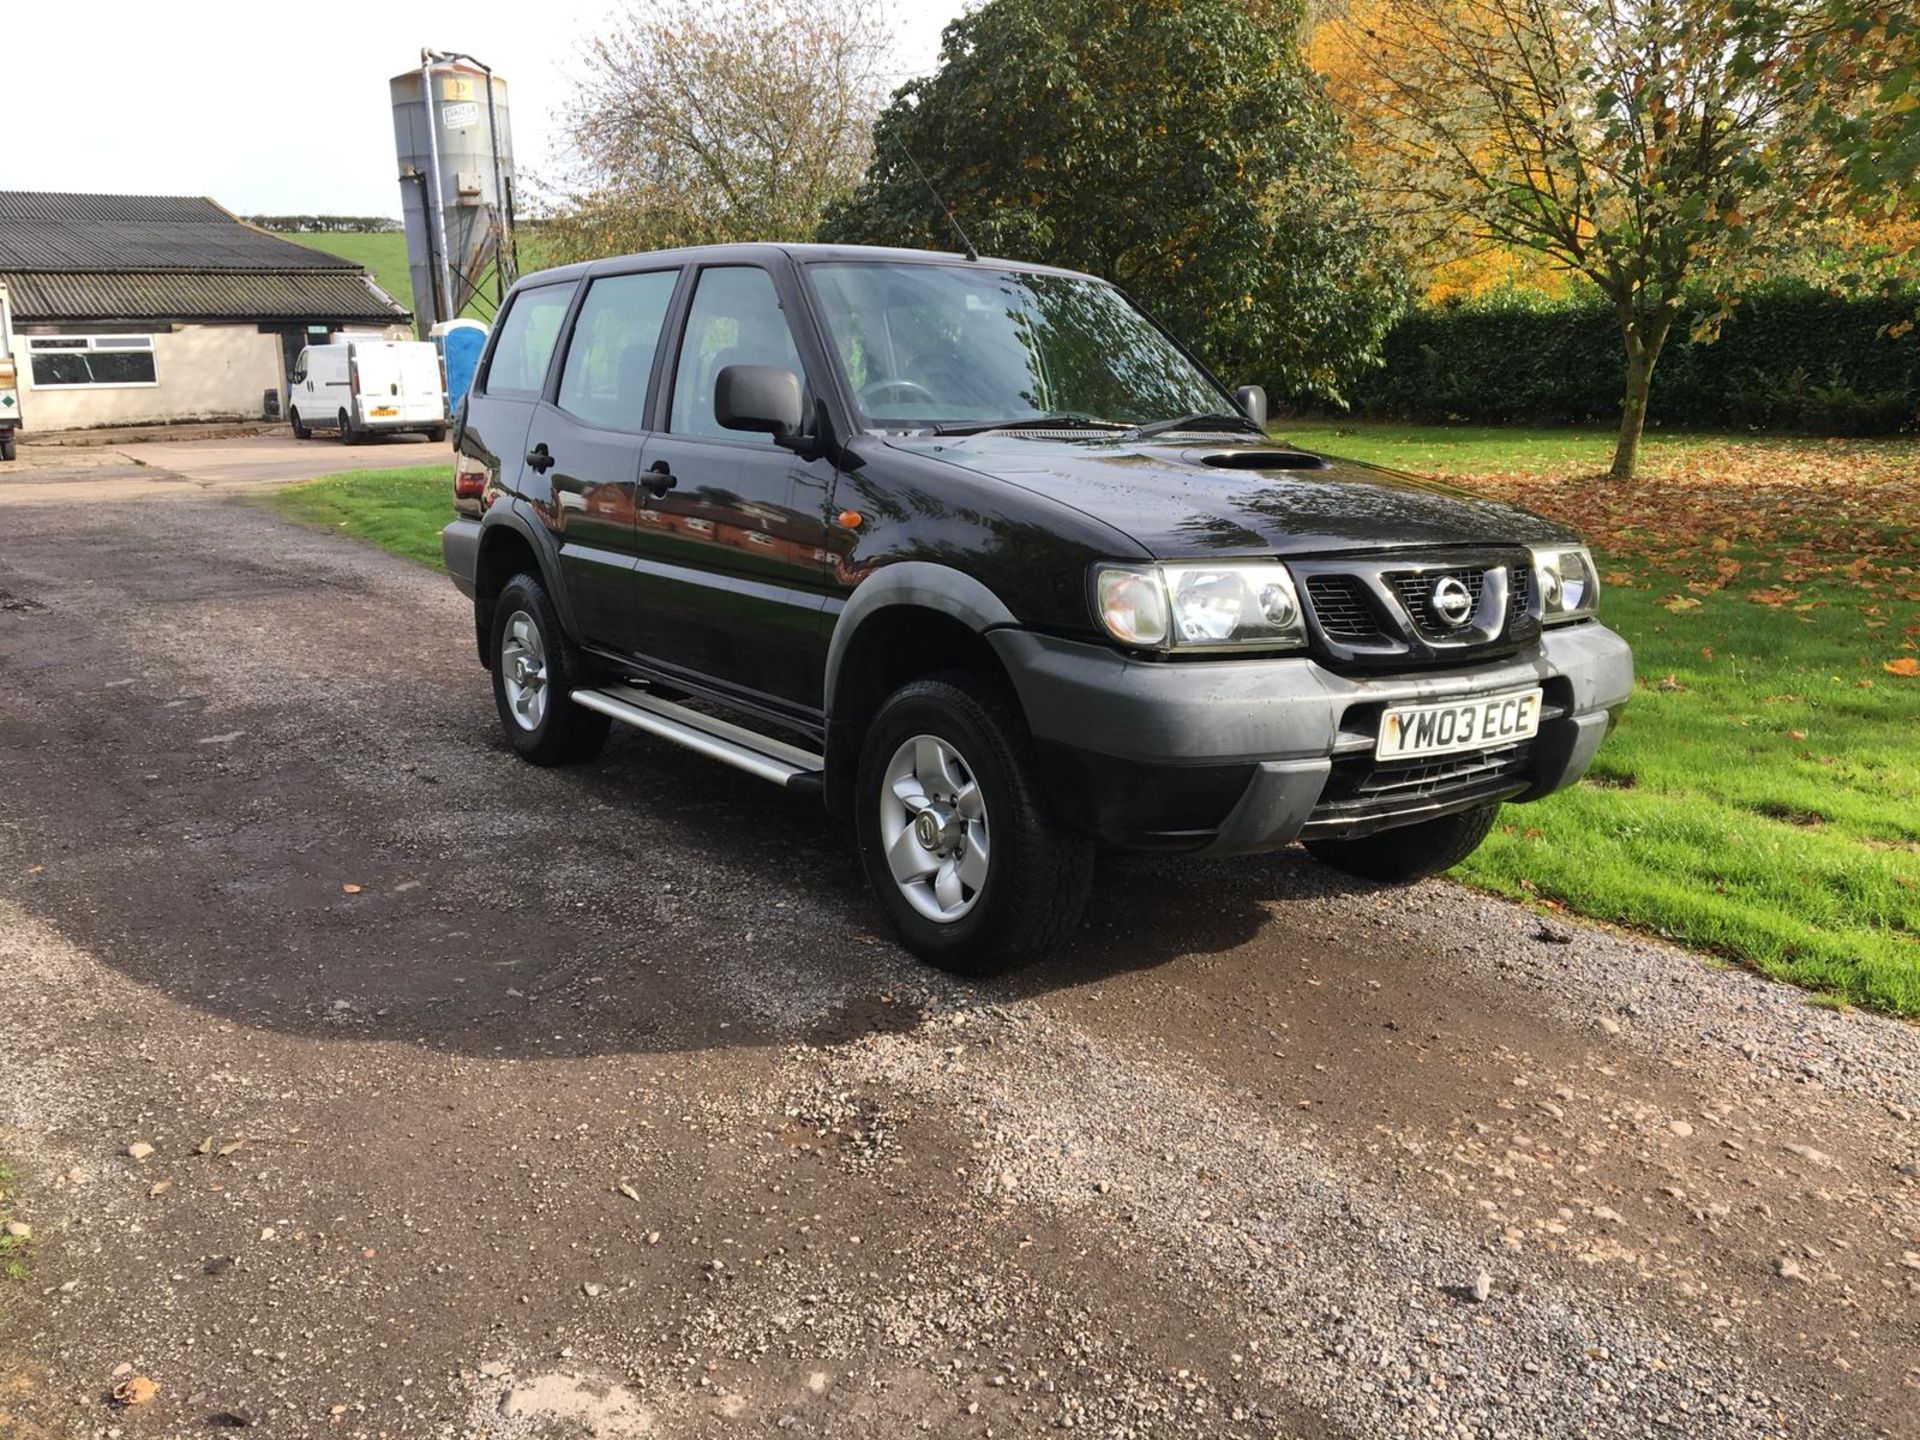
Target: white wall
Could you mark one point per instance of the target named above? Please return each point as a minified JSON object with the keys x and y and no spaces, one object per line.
{"x":205,"y":372}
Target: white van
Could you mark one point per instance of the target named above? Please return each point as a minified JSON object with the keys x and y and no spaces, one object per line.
{"x":366,"y":386}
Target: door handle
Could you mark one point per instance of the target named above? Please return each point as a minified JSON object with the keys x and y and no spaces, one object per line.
{"x":659,"y":479}
{"x":539,"y":459}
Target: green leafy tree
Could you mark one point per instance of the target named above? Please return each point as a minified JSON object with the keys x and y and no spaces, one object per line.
{"x":1179,"y":148}
{"x":1654,"y":147}
{"x":1866,"y":78}
{"x":705,"y":121}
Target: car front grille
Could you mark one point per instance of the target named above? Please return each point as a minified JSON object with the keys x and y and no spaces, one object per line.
{"x":1341,"y":605}
{"x":1424,"y":779}
{"x":1519,"y":595}
{"x":1371,"y":613}
{"x":1364,"y":789}
{"x":1416,"y":594}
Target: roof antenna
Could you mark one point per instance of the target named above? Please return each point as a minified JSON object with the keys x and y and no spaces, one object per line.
{"x":952,"y":219}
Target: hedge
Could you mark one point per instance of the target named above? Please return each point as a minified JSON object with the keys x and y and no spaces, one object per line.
{"x":1787,"y":359}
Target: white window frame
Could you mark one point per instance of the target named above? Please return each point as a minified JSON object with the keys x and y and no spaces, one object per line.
{"x":115,"y":344}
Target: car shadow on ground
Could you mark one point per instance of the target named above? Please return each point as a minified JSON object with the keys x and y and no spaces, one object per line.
{"x":648,"y":902}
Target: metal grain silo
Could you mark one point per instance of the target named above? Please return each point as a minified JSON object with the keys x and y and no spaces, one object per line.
{"x":455,"y":145}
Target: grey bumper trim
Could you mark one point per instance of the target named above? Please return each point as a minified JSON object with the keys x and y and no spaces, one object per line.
{"x":1276,"y":804}
{"x":1293,"y":721}
{"x":460,"y":550}
{"x":1224,"y":711}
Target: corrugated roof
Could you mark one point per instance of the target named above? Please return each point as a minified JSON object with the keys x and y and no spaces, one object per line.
{"x":168,"y":257}
{"x":40,"y":230}
{"x":313,"y":295}
{"x":156,"y":245}
{"x":67,"y":209}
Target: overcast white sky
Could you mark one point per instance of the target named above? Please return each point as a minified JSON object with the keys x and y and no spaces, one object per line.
{"x":282,"y":108}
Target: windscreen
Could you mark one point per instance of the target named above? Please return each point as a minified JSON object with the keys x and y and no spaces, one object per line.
{"x":963,"y":343}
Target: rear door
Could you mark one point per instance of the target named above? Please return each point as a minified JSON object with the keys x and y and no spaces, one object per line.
{"x":374,"y":368}
{"x":421,"y":394}
{"x":592,"y":433}
{"x":510,"y":382}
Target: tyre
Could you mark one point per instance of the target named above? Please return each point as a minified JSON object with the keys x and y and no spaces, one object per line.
{"x":535,"y":670}
{"x":8,"y":448}
{"x":955,"y":831}
{"x":349,"y":432}
{"x":1411,"y":852}
{"x":300,"y":429}
{"x":438,"y":435}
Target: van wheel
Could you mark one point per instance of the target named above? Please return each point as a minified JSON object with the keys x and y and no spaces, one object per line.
{"x":536,"y":669}
{"x":1411,"y":852}
{"x":955,"y":832}
{"x":300,"y":431}
{"x":438,"y":435}
{"x":349,"y":432}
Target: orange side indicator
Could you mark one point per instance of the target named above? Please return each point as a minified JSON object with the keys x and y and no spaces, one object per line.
{"x":848,"y":519}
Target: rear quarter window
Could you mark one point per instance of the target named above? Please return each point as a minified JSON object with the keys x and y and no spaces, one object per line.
{"x":524,"y":346}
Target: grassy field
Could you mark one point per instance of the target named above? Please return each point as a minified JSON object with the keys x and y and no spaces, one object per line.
{"x":385,"y":258}
{"x":1761,"y":798}
{"x":399,"y":510}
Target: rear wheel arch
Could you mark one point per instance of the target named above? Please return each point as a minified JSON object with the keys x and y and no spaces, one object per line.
{"x":507,"y":549}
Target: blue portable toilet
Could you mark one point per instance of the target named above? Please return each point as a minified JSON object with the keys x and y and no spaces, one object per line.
{"x":460,"y":343}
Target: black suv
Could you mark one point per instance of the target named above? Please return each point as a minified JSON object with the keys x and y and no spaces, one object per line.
{"x":979,"y":552}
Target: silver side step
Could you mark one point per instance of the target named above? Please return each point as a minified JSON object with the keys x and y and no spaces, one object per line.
{"x":721,"y":740}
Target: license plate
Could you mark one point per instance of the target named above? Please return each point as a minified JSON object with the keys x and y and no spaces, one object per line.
{"x":383,"y":410}
{"x":1407,"y":731}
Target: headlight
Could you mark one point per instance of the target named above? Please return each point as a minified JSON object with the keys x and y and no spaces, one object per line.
{"x":1200,"y":607}
{"x":1569,"y":586}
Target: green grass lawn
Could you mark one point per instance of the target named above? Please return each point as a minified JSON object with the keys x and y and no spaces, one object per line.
{"x":399,"y":510}
{"x":1761,"y":798}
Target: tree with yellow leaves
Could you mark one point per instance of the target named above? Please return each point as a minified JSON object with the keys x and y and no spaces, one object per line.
{"x":1648,"y":145}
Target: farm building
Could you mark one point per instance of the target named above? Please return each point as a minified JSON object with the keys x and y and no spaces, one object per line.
{"x":157,"y":309}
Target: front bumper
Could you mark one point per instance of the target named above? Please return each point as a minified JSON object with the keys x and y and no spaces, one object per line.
{"x":1239,"y":756}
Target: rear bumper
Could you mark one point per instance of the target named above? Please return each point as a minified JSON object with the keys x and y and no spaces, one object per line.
{"x":460,"y":549}
{"x":1233,"y":757}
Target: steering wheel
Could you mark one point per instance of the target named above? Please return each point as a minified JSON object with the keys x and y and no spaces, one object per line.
{"x":911,"y":389}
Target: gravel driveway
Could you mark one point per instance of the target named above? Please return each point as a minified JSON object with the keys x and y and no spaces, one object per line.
{"x":490,"y":1101}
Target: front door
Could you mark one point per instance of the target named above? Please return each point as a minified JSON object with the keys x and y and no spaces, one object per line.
{"x":728,"y":525}
{"x":587,"y":443}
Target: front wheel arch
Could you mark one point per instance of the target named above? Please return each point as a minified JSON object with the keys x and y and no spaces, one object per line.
{"x":891,"y":647}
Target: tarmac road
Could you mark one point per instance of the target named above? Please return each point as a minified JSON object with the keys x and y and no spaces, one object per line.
{"x":487,"y":1100}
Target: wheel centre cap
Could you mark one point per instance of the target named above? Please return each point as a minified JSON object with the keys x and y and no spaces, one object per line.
{"x":931,"y":828}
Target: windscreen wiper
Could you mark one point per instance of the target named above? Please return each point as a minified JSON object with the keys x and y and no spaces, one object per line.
{"x":1204,"y":420}
{"x":1033,"y":422}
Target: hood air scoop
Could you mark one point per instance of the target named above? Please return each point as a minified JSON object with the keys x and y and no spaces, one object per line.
{"x":1264,"y":460}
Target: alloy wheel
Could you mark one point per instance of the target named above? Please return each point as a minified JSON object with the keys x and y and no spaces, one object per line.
{"x":523,"y":670}
{"x":933,"y":826}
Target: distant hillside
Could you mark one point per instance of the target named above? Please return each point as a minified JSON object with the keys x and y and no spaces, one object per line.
{"x":385,"y":257}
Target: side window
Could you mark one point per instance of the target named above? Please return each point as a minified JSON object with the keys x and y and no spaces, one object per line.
{"x":300,"y":368}
{"x":526,"y":340}
{"x":610,"y":357}
{"x":735,"y":319}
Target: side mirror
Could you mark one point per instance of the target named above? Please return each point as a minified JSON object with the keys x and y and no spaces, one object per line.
{"x":1253,"y":400}
{"x":763,"y":398}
